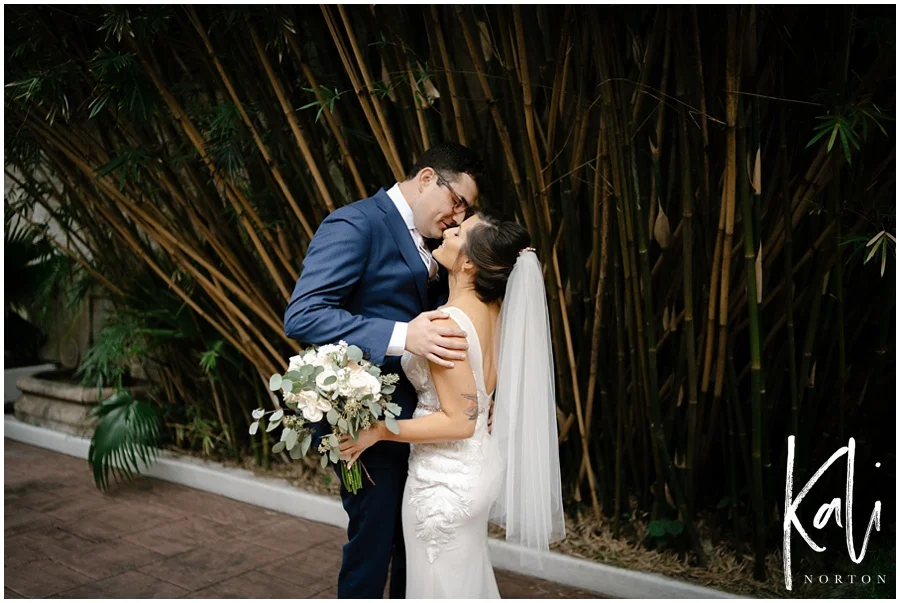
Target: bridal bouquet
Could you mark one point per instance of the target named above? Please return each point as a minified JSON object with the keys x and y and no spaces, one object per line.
{"x":332,"y":382}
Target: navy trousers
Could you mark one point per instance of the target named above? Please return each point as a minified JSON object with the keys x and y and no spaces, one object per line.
{"x":374,"y":534}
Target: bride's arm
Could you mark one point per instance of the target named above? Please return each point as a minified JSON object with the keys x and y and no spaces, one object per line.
{"x":454,"y":421}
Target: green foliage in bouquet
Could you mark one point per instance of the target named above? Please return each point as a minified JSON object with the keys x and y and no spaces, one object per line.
{"x":334,"y":383}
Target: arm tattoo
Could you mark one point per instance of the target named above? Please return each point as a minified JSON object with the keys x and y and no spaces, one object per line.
{"x":472,"y":410}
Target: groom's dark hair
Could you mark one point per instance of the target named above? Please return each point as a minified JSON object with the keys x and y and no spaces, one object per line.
{"x":493,"y":246}
{"x":450,"y":159}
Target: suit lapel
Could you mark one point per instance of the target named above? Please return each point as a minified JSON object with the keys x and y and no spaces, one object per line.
{"x":397,"y":227}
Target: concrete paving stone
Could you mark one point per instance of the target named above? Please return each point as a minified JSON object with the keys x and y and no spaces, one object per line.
{"x":55,"y":543}
{"x":150,"y":538}
{"x":292,"y":535}
{"x":308,"y":571}
{"x":121,"y":519}
{"x":21,"y":520}
{"x":25,"y":496}
{"x":127,"y":585}
{"x":107,"y":559}
{"x":42,"y":579}
{"x":181,"y":536}
{"x":13,"y":557}
{"x":254,"y":585}
{"x":70,"y":505}
{"x":205,"y":566}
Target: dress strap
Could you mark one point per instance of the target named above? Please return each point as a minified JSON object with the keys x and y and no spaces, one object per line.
{"x":476,"y":361}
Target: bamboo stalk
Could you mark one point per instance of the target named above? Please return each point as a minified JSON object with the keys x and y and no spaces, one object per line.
{"x":759,"y":524}
{"x":364,"y":96}
{"x":330,"y":118}
{"x":451,"y":85}
{"x":239,"y":202}
{"x":264,"y":151}
{"x":291,"y":119}
{"x":385,"y":128}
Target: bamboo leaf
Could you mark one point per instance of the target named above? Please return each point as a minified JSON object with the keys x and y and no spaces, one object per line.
{"x":661,"y":230}
{"x":834,"y":133}
{"x":818,"y":136}
{"x":756,"y":181}
{"x":871,"y":253}
{"x":875,"y":238}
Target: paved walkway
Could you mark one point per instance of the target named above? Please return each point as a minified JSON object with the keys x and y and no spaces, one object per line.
{"x":151,"y":538}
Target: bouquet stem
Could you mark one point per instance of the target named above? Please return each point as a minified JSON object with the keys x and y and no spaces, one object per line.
{"x":352,"y":477}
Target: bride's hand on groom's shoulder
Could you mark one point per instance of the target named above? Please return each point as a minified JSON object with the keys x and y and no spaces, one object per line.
{"x":430,"y":336}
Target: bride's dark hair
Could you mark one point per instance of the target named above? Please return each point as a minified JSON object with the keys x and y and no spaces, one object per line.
{"x":493,"y":246}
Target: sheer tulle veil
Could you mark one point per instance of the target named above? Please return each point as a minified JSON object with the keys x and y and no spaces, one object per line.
{"x":529,"y":503}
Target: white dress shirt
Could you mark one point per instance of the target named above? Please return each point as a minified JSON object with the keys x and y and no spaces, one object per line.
{"x":397,"y":344}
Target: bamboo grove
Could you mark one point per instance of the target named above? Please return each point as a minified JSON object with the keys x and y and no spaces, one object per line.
{"x":710,"y":284}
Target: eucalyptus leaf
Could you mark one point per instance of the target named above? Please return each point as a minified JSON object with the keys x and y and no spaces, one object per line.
{"x":275,"y":383}
{"x":273,"y":425}
{"x":375,"y":371}
{"x":258,"y":413}
{"x":333,"y":440}
{"x":291,"y":439}
{"x":388,"y":390}
{"x":392,"y":425}
{"x":277,"y":416}
{"x":323,"y":462}
{"x":294,"y":375}
{"x":287,"y":386}
{"x":296,"y":452}
{"x":354,"y":354}
{"x":343,"y":425}
{"x":278,"y":447}
{"x":333,"y":416}
{"x":334,"y":455}
{"x":304,"y":445}
{"x":331,"y":379}
{"x":254,"y":426}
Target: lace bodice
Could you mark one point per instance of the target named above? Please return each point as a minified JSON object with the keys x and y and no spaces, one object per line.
{"x":444,"y":477}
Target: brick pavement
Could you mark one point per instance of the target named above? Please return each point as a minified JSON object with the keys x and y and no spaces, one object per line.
{"x":150,"y":538}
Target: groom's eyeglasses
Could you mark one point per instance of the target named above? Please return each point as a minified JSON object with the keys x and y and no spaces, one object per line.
{"x":459,"y":203}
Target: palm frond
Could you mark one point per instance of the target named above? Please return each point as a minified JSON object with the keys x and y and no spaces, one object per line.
{"x":125,"y":440}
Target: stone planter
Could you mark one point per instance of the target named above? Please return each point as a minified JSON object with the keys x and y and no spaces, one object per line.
{"x":54,"y":399}
{"x":11,"y":376}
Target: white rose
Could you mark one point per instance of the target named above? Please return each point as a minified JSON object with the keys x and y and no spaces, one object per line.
{"x":306,"y":398}
{"x":320,"y":381}
{"x":365,"y":383}
{"x":316,"y":408}
{"x":313,"y":414}
{"x":296,"y":362}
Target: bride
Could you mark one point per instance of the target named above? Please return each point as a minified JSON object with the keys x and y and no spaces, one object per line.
{"x":460,"y":475}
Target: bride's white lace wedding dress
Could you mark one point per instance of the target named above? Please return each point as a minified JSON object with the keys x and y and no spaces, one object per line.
{"x":448,"y":495}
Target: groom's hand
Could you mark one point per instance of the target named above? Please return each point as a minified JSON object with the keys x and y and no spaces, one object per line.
{"x":429,"y":336}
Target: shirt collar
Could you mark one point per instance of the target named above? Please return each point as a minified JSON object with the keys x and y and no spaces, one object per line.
{"x":402,"y":206}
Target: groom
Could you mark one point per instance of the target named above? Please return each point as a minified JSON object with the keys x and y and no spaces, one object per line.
{"x":369,"y":279}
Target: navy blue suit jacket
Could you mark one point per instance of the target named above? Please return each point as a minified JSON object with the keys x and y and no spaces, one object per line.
{"x":362,"y":273}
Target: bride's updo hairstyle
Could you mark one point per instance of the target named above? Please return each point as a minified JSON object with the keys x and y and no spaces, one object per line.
{"x":493,"y":246}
